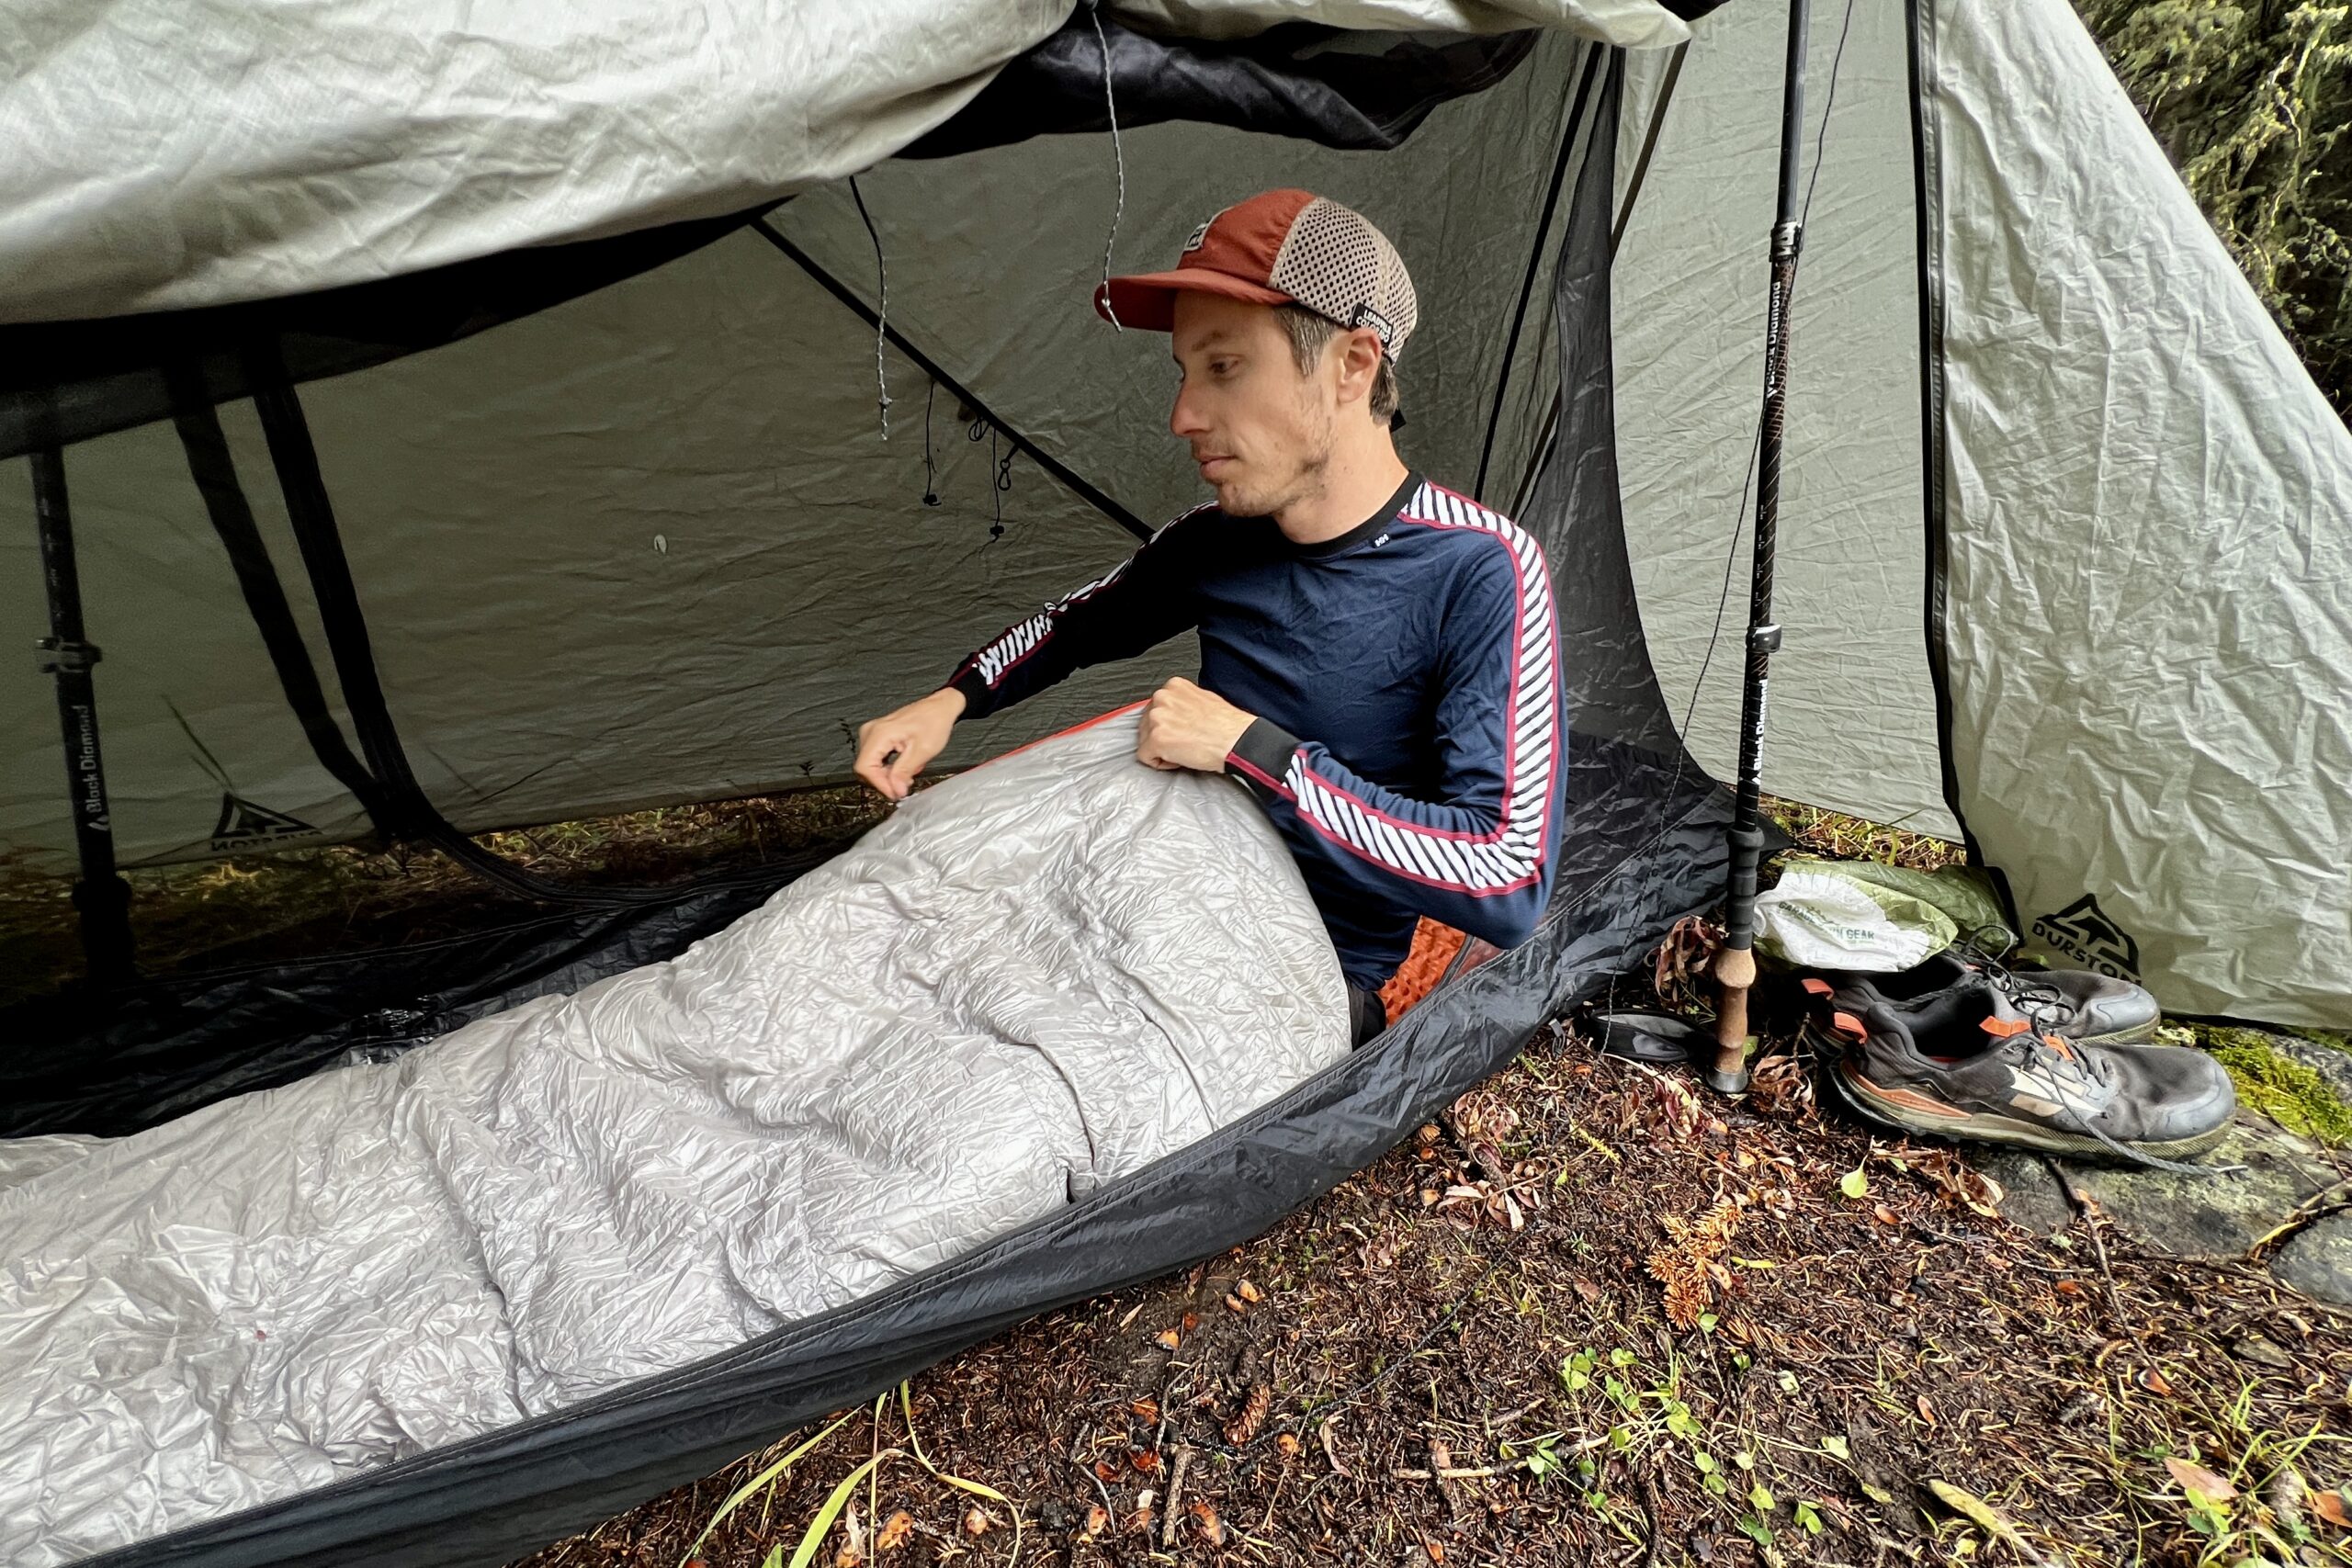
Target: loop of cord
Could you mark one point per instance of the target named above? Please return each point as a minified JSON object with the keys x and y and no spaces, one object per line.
{"x":1118,"y":159}
{"x":881,"y":310}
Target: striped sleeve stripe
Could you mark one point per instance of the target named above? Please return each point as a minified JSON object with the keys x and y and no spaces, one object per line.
{"x":1018,"y":642}
{"x":1511,"y":855}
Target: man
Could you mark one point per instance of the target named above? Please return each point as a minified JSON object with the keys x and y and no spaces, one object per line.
{"x":1379,"y":665}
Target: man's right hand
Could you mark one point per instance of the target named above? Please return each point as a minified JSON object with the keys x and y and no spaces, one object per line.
{"x":893,"y":748}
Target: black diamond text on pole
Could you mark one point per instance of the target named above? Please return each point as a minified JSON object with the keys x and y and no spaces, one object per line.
{"x":101,"y":895}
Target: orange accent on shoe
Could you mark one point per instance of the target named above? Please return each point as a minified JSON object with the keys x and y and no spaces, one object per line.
{"x":1818,"y":986}
{"x":2003,"y":1028}
{"x":1846,"y":1024}
{"x":1926,"y":1105}
{"x":2058,"y":1046}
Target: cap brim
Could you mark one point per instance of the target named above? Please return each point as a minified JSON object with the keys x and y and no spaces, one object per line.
{"x":1149,"y":301}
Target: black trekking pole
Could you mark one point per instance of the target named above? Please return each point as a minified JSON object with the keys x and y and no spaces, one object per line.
{"x":100,"y":895}
{"x":1735,"y":965}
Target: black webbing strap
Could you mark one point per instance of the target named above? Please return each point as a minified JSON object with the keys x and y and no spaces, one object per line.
{"x":929,"y":366}
{"x":214,"y":469}
{"x":1616,"y":239}
{"x":1535,"y":255}
{"x":406,"y":804}
{"x":1641,"y":173}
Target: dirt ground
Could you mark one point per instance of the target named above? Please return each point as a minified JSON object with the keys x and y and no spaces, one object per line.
{"x":1594,"y":1316}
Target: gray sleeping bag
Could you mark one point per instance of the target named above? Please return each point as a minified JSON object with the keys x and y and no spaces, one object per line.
{"x":1033,"y":978}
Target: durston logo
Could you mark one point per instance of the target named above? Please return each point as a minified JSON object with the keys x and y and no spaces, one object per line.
{"x":244,"y":825}
{"x":2083,"y":933}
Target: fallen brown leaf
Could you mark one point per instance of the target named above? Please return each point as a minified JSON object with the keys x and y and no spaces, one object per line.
{"x":1098,"y":1519}
{"x":1249,"y":1292}
{"x":1169,"y":1338}
{"x":1205,"y":1519}
{"x":1235,"y":1303}
{"x":2199,"y":1482}
{"x":1147,"y":1462}
{"x":1287,"y":1444}
{"x":1191,"y":1321}
{"x":2153,"y":1381}
{"x":1105,"y":1469}
{"x":977,"y":1520}
{"x":1145,"y":1410}
{"x":898,"y":1529}
{"x":2330,"y":1506}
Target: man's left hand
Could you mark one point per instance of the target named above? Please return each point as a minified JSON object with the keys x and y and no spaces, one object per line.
{"x":1184,"y":727}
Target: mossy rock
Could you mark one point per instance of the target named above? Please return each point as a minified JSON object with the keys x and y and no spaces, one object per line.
{"x":2286,"y":1079}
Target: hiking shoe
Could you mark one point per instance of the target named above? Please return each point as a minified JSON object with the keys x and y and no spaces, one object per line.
{"x":2075,"y":1004}
{"x":1966,"y":1062}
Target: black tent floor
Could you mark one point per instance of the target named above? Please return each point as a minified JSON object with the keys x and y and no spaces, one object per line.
{"x":1647,"y":847}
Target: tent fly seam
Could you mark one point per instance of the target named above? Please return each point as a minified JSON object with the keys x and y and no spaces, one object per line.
{"x":1616,"y":239}
{"x":1568,"y":139}
{"x":1927,"y":168}
{"x":1641,"y":173}
{"x":1053,"y":466}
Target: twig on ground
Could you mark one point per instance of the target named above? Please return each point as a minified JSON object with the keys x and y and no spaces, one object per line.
{"x":1175,"y":1492}
{"x":2318,"y":1206}
{"x":2086,"y":1209}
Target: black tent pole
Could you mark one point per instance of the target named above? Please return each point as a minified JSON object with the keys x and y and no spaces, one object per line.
{"x":1736,"y":963}
{"x":101,"y":895}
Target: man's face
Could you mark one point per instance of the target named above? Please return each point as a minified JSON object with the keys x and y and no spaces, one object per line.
{"x":1260,"y":430}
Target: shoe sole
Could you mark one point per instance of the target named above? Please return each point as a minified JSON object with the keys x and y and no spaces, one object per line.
{"x":1979,"y":1128}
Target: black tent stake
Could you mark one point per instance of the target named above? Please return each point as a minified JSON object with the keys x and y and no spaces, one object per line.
{"x":1735,"y":965}
{"x":100,"y":895}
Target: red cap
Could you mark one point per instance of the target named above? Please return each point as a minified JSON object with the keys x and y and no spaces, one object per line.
{"x":1281,"y":247}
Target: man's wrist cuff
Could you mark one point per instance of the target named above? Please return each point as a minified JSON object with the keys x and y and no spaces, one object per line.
{"x":1262,"y":754}
{"x":976,"y":694}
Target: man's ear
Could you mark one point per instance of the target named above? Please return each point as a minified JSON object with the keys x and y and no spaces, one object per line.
{"x":1360,"y":352}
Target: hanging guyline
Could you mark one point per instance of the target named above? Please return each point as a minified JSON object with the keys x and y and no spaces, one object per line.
{"x":1070,"y":479}
{"x":1118,"y":159}
{"x":882,"y":316}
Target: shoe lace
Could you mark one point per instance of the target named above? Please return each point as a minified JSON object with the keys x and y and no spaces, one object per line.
{"x":2049,"y":1007}
{"x":2065,"y":1067}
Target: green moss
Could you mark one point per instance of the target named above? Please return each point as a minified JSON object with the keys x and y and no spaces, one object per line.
{"x":2281,"y":1088}
{"x":2334,"y":1040}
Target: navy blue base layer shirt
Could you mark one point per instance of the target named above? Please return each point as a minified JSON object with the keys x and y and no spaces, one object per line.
{"x":1404,"y":677}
